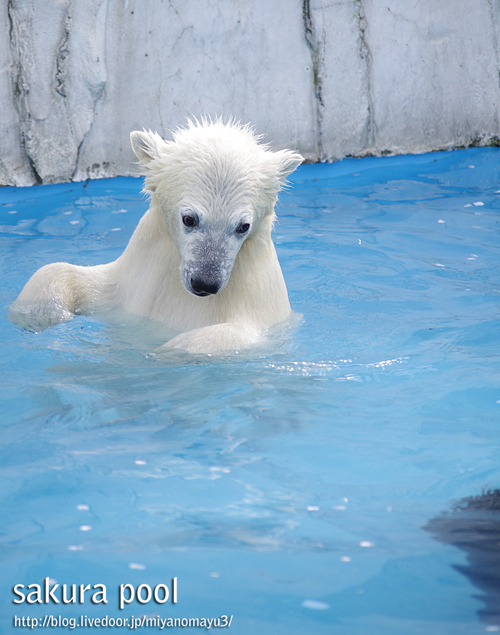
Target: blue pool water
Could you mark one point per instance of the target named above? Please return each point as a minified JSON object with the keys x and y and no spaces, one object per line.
{"x":305,"y":488}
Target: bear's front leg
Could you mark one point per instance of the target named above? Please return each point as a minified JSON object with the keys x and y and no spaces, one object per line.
{"x":215,"y":338}
{"x":55,"y":293}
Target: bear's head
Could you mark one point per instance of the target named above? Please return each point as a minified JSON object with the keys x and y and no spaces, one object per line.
{"x":214,"y":187}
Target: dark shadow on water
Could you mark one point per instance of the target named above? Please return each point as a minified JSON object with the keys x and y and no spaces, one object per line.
{"x":473,"y":525}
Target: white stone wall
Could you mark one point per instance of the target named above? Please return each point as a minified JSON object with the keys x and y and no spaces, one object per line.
{"x":328,"y":79}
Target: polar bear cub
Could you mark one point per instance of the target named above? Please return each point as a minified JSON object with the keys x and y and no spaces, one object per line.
{"x":201,"y":259}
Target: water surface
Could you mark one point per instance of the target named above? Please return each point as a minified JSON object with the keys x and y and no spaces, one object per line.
{"x":299,"y":487}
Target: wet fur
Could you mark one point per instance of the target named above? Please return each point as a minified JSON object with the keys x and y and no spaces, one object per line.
{"x":219,"y":174}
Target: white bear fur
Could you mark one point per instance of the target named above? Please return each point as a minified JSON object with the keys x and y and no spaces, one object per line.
{"x":220,"y":176}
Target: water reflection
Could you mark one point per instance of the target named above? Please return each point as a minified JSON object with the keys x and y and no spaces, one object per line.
{"x":474,"y":526}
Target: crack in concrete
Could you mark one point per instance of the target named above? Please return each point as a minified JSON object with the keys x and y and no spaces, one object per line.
{"x":18,"y":90}
{"x":494,"y":23}
{"x":80,"y":146}
{"x":316,"y":47}
{"x":364,"y":51}
{"x":62,"y":55}
{"x":60,"y":77}
{"x":97,"y":98}
{"x":402,"y":17}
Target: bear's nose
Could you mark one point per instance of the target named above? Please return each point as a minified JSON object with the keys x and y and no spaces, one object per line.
{"x":202,"y":288}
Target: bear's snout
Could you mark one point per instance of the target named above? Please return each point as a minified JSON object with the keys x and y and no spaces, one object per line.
{"x":202,"y":288}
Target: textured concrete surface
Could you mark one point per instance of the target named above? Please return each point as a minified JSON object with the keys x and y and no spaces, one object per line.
{"x":434,"y":73}
{"x":328,"y":79}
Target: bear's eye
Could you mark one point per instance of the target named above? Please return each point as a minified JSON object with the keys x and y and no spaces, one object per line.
{"x":189,"y":221}
{"x":243,"y":228}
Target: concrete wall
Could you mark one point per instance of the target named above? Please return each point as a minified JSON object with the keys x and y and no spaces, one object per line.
{"x":328,"y":79}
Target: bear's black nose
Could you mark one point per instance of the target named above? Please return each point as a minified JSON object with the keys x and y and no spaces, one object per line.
{"x":202,"y":288}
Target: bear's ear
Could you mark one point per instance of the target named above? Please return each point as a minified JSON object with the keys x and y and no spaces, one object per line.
{"x":288,"y":161}
{"x":148,"y":146}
